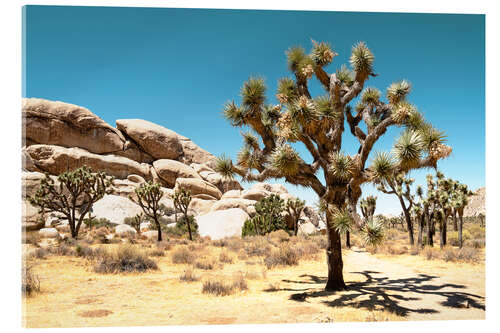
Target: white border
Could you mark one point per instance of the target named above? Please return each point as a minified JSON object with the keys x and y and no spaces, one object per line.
{"x":10,"y":102}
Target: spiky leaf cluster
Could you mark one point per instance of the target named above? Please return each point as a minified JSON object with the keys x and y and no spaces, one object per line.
{"x":322,"y":53}
{"x":341,"y":221}
{"x":361,"y":60}
{"x":408,"y":148}
{"x":398,"y":91}
{"x":341,"y":166}
{"x":224,"y":166}
{"x":285,"y":160}
{"x":372,"y":233}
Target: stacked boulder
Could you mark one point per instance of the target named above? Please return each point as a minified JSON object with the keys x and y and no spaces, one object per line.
{"x":59,"y":136}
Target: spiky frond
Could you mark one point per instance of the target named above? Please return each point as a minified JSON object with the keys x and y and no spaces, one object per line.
{"x":415,"y":120}
{"x":250,"y":140}
{"x":303,"y":110}
{"x":341,"y":221}
{"x":398,"y":91}
{"x":244,"y":156}
{"x":372,"y":233}
{"x":253,"y":93}
{"x":370,"y":96}
{"x":234,"y":114}
{"x":324,"y":107}
{"x":345,"y":75}
{"x":408,"y":148}
{"x":373,"y":120}
{"x":361,"y":60}
{"x":431,"y":135}
{"x":224,"y":166}
{"x":306,"y":67}
{"x":382,"y":166}
{"x":285,"y":160}
{"x":322,"y":53}
{"x":288,"y":128}
{"x":287,"y":90}
{"x":341,"y":166}
{"x":401,"y":111}
{"x":294,"y":56}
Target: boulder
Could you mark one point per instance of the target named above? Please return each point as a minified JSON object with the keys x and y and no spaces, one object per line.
{"x":48,"y":233}
{"x":231,"y":194}
{"x":30,"y":218}
{"x":201,"y":168}
{"x":56,"y":160}
{"x":145,"y":226}
{"x":151,"y":234}
{"x":132,"y":151}
{"x":156,"y":140}
{"x":254,"y":194}
{"x":136,"y":179}
{"x":123,"y":187}
{"x":201,"y":206}
{"x":244,"y":204}
{"x":223,"y":184}
{"x":198,"y":186}
{"x":68,"y":125}
{"x":306,"y":228}
{"x":170,"y":170}
{"x":115,"y":208}
{"x":194,"y":154}
{"x":311,"y":214}
{"x":222,"y":223}
{"x":124,"y":229}
{"x":30,"y":182}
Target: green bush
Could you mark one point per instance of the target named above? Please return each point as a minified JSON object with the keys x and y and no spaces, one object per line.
{"x":268,"y":217}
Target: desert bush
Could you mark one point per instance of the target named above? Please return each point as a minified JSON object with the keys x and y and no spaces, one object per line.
{"x":468,"y":254}
{"x":62,"y":250}
{"x":283,"y":256}
{"x":242,"y":255}
{"x":430,"y":252}
{"x":220,"y":287}
{"x":182,"y":255}
{"x":452,"y":237}
{"x":196,"y":247}
{"x":156,"y":253}
{"x":164,"y":245}
{"x":205,"y":263}
{"x":476,"y":231}
{"x":476,"y":243}
{"x":40,"y":253}
{"x":89,"y":253}
{"x":126,"y":258}
{"x":30,"y":281}
{"x":225,"y":258}
{"x":280,"y":235}
{"x":189,"y":276}
{"x":307,"y":250}
{"x":257,"y":246}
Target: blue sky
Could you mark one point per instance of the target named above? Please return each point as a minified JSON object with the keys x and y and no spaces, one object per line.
{"x":177,"y":67}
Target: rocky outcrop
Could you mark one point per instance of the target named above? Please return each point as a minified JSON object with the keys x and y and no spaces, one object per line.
{"x":198,"y":186}
{"x":156,"y":140}
{"x":222,"y":223}
{"x":247,"y":205}
{"x":124,"y":230}
{"x":56,"y":160}
{"x":477,"y":203}
{"x":68,"y":125}
{"x":48,"y":233}
{"x":170,"y":170}
{"x":115,"y":208}
{"x":194,"y":154}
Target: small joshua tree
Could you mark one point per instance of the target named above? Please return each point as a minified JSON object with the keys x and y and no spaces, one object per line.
{"x":319,"y":124}
{"x":148,"y":198}
{"x":399,"y":185}
{"x":268,"y":217}
{"x":368,"y":206}
{"x":182,"y":199}
{"x":135,"y":221}
{"x":459,"y":199}
{"x":77,"y":191}
{"x":295,"y":208}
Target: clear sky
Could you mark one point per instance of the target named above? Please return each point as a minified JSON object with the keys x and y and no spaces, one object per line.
{"x":177,"y":67}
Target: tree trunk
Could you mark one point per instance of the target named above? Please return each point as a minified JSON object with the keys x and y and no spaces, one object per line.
{"x":460,"y":226}
{"x":445,"y":230}
{"x":421,"y":222}
{"x":189,"y":226}
{"x":455,"y":226}
{"x":295,"y":227}
{"x":430,"y":240}
{"x":441,"y":234}
{"x":334,"y":259}
{"x":348,"y":239}
{"x":409,"y":224}
{"x":159,"y":229}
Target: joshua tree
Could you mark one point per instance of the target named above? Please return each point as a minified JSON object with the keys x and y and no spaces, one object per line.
{"x":74,"y":196}
{"x":399,"y":185}
{"x":135,"y":221}
{"x":182,"y":199}
{"x":459,"y":199}
{"x":418,"y":212}
{"x":368,"y":206}
{"x":318,"y":124}
{"x":148,"y":198}
{"x":294,"y":208}
{"x":481,"y":219}
{"x":268,"y":217}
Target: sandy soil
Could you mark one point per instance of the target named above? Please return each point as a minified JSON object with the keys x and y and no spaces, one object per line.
{"x":380,"y":288}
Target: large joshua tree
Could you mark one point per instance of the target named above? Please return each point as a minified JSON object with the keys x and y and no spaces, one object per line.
{"x":318,"y":124}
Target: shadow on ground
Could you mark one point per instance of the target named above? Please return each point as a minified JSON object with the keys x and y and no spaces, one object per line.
{"x":380,"y":291}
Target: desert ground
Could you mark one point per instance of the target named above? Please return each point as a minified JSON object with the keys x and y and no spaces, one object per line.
{"x":390,"y":283}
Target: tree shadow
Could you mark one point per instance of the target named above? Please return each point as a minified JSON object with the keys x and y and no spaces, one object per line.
{"x":389,"y":293}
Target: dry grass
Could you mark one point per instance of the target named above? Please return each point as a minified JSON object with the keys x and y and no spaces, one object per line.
{"x":219,"y":286}
{"x":285,"y":255}
{"x":123,"y":259}
{"x":183,"y":255}
{"x":30,"y":280}
{"x":189,"y":276}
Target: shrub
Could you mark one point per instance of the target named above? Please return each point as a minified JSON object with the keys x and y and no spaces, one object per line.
{"x":268,"y":217}
{"x":157,"y":253}
{"x":189,"y":276}
{"x":126,"y":258}
{"x":430,"y":253}
{"x":182,"y":255}
{"x":225,"y":258}
{"x":280,"y":235}
{"x":62,"y":250}
{"x":164,"y":245}
{"x":32,"y":238}
{"x":453,"y":237}
{"x":284,"y":256}
{"x":220,"y":287}
{"x":40,"y":253}
{"x":205,"y":263}
{"x":307,"y":249}
{"x":257,"y":246}
{"x":30,"y":281}
{"x":468,"y":254}
{"x":89,"y":253}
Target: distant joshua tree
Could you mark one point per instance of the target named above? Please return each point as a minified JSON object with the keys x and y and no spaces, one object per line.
{"x":148,"y":196}
{"x":74,"y":196}
{"x":295,"y":208}
{"x":319,"y":123}
{"x":182,"y":198}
